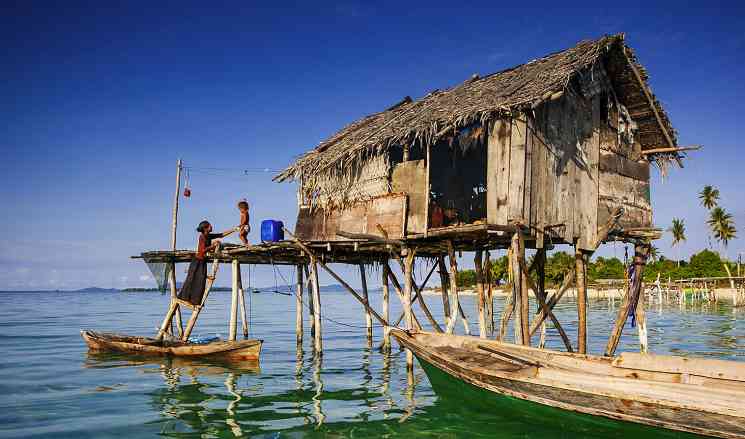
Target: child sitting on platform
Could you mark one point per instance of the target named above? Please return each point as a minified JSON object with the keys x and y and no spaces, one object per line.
{"x":244,"y":227}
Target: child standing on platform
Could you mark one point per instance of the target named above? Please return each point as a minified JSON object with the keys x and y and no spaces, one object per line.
{"x":244,"y":227}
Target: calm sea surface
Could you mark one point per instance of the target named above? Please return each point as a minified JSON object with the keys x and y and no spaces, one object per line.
{"x":51,"y":386}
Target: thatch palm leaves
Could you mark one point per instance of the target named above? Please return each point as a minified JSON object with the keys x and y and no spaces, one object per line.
{"x":678,"y":230}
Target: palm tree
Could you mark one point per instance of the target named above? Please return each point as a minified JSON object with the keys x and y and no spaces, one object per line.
{"x":722,"y":226}
{"x":654,"y":253}
{"x":678,"y":230}
{"x":709,"y":196}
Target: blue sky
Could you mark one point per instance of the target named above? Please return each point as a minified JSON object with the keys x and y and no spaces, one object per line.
{"x":99,"y":101}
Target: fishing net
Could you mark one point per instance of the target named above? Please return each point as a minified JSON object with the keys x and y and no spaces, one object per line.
{"x":161,"y":272}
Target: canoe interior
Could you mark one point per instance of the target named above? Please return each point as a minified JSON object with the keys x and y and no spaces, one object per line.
{"x":243,"y":350}
{"x":690,"y":395}
{"x":543,"y":421}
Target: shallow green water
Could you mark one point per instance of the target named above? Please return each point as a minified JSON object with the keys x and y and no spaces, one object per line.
{"x":50,"y":385}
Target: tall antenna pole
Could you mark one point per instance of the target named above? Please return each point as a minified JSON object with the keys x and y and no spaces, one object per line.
{"x":174,"y":223}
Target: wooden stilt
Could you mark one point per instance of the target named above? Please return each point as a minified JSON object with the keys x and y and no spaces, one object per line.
{"x":408,"y":275}
{"x":311,"y":307}
{"x":540,"y":262}
{"x":641,"y":324}
{"x":167,"y":320}
{"x":233,"y":327}
{"x":489,"y":294}
{"x":386,"y":307}
{"x":580,"y":266}
{"x":299,"y":307}
{"x":478,"y":266}
{"x":242,"y":302}
{"x":444,"y":281}
{"x":198,"y":309}
{"x":454,"y":305}
{"x":400,"y":292}
{"x":174,"y":228}
{"x":317,"y":340}
{"x":418,"y":297}
{"x":518,"y":295}
{"x":635,"y":288}
{"x":368,"y":317}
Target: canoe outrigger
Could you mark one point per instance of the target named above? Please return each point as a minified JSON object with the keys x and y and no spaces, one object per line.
{"x":699,"y":396}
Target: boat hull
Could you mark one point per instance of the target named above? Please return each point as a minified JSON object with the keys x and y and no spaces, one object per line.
{"x":244,"y":350}
{"x":448,"y":377}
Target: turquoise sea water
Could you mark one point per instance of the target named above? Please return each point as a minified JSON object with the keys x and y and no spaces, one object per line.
{"x":51,"y":386}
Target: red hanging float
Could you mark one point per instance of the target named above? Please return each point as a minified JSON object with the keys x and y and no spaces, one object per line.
{"x":187,"y":192}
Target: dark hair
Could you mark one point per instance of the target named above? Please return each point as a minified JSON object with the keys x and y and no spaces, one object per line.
{"x":203,"y":225}
{"x":243,"y":204}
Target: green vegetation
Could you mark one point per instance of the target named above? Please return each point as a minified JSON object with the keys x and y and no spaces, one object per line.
{"x":706,"y":263}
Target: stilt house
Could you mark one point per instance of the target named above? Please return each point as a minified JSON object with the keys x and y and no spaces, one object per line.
{"x":554,"y":145}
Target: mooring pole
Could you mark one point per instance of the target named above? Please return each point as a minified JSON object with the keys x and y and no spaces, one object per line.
{"x":444,"y":288}
{"x":174,"y":226}
{"x":635,"y":288}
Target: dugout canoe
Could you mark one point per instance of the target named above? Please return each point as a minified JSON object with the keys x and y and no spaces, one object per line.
{"x":242,"y":350}
{"x":699,"y":396}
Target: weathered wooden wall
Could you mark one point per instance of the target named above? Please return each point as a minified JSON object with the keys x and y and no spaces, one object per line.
{"x":321,"y":224}
{"x":565,"y":168}
{"x":411,"y":178}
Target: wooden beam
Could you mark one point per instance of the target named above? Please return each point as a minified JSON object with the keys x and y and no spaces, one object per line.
{"x":542,"y":303}
{"x":671,"y":149}
{"x":444,"y":281}
{"x":400,"y":292}
{"x":242,"y":300}
{"x":417,"y":291}
{"x":341,"y":281}
{"x":519,"y":297}
{"x":541,"y":316}
{"x":653,"y":107}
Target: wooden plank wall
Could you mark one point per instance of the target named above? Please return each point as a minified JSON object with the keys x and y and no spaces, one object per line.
{"x":362,"y":217}
{"x":411,"y":177}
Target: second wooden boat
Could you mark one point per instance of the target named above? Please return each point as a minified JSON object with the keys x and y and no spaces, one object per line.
{"x":700,"y":396}
{"x":243,"y":350}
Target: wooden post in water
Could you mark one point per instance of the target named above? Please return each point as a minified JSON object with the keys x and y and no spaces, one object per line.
{"x":478,"y":266}
{"x":386,"y":307}
{"x":489,"y":294}
{"x":453,"y":289}
{"x":635,"y":288}
{"x":444,"y":281}
{"x":540,"y":268}
{"x":519,"y":293}
{"x":311,"y":307}
{"x":408,"y":270}
{"x":317,"y":341}
{"x":177,"y":311}
{"x":233,"y":327}
{"x":242,"y":300}
{"x":368,"y":316}
{"x":580,"y":266}
{"x":299,"y":307}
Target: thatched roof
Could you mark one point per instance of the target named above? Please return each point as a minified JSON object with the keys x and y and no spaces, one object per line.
{"x":519,"y":88}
